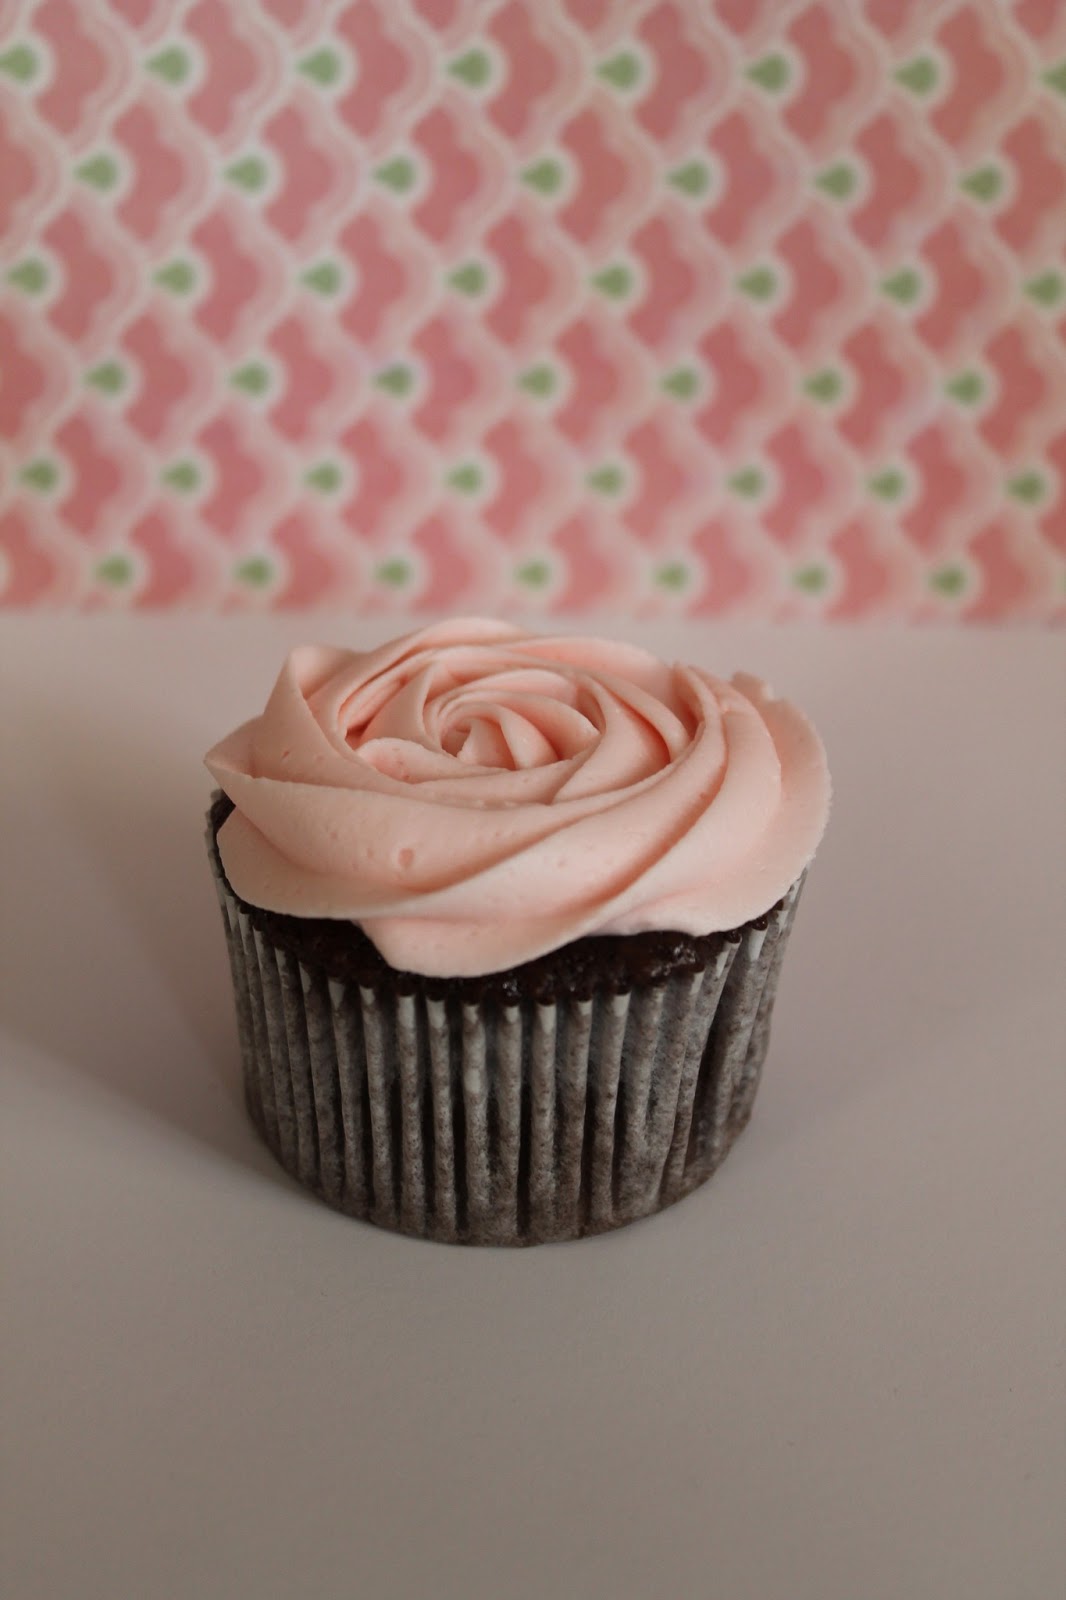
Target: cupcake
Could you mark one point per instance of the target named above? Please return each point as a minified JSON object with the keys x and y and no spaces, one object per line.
{"x":505,"y":916}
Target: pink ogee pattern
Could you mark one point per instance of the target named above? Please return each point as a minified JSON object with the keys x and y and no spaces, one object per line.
{"x":719,"y":307}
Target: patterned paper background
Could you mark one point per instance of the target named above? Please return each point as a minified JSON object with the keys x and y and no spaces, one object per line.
{"x":748,"y":307}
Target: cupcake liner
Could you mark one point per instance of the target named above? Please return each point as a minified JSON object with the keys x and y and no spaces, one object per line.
{"x":501,"y":1123}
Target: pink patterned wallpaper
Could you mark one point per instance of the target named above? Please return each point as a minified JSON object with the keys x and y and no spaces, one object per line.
{"x":750,"y":307}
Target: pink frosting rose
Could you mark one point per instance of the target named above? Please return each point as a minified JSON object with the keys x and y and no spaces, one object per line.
{"x":474,"y":795}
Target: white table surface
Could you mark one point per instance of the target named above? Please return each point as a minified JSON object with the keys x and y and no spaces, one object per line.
{"x":836,"y":1373}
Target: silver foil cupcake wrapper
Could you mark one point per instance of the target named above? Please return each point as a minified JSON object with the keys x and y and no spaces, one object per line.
{"x":494,"y":1123}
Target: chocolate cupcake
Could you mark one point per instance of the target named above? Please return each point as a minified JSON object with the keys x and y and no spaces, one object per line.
{"x":505,"y":917}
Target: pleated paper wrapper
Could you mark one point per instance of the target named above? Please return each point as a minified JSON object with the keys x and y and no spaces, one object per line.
{"x":493,"y":1123}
